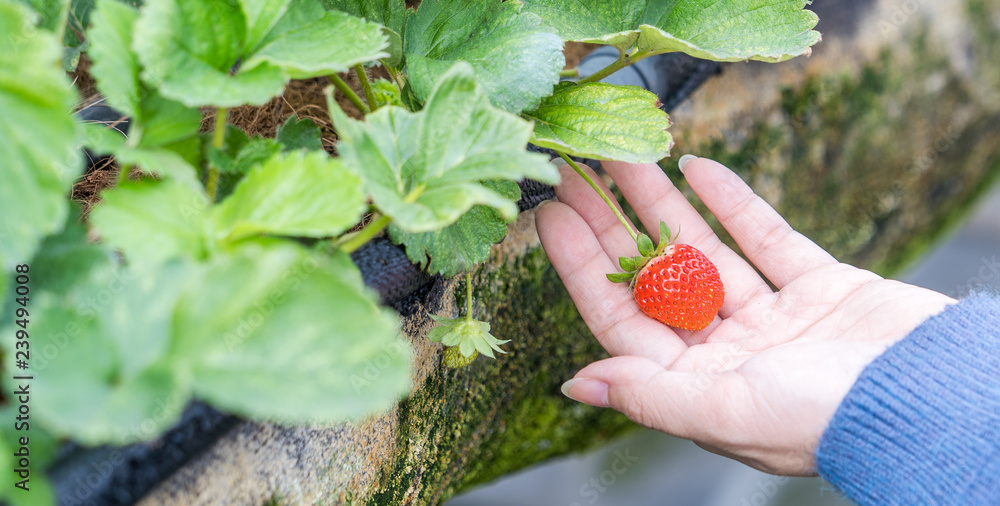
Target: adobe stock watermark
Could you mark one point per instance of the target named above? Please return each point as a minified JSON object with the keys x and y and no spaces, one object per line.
{"x":767,"y":489}
{"x":900,"y":15}
{"x":592,"y":489}
{"x":887,"y":200}
{"x":262,"y":309}
{"x":735,"y":350}
{"x":987,"y":279}
{"x":374,"y":367}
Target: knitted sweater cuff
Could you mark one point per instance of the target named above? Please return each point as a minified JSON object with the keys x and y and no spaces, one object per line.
{"x":922,"y":423}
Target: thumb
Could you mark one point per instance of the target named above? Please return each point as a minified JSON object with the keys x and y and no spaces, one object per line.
{"x":644,"y":391}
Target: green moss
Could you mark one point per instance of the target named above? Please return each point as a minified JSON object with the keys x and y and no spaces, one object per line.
{"x":472,"y":425}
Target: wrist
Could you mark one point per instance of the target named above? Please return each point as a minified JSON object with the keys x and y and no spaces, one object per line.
{"x":920,"y":424}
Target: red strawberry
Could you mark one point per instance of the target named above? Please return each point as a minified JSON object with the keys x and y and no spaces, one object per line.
{"x":675,"y":283}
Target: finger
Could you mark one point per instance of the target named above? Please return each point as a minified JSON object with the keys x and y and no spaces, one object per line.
{"x":575,"y":192}
{"x":610,"y":312}
{"x":678,"y":403}
{"x":656,"y":198}
{"x":616,"y":241}
{"x":780,"y":252}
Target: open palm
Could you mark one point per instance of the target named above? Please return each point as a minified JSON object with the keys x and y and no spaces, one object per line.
{"x":763,"y":380}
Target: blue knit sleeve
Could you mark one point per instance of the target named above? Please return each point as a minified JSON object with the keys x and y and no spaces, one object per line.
{"x":922,"y":423}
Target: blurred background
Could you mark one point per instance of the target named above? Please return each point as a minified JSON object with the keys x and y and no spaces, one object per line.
{"x":654,"y":469}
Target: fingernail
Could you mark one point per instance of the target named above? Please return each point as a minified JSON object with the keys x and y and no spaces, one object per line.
{"x":587,"y":391}
{"x":683,"y":161}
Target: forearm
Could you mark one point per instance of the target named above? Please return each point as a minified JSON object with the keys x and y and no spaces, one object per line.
{"x":922,"y":423}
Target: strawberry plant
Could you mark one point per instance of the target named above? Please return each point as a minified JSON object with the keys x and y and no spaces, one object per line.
{"x":222,"y":270}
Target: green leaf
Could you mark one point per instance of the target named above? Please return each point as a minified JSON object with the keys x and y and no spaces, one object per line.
{"x":294,"y":194}
{"x":67,"y":264}
{"x":664,"y":233}
{"x":227,"y":53}
{"x":391,"y":14}
{"x":603,"y":121}
{"x":146,"y":304}
{"x":51,"y":14}
{"x":38,"y":137}
{"x":310,"y":42}
{"x":645,"y":245}
{"x":627,"y":263}
{"x":101,"y":332}
{"x":463,"y":244}
{"x":274,"y":332}
{"x":77,"y":22}
{"x":154,"y":221}
{"x":516,"y":58}
{"x":156,"y":121}
{"x":730,"y":30}
{"x":261,"y":17}
{"x":81,"y":390}
{"x":388,"y":13}
{"x":163,"y":121}
{"x":189,"y":47}
{"x":238,"y":156}
{"x":469,"y":335}
{"x":299,"y":134}
{"x":620,"y":277}
{"x":255,"y":152}
{"x":424,"y":170}
{"x":115,"y":67}
{"x":164,"y":162}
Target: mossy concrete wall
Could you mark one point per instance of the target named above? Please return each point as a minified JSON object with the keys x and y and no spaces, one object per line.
{"x":879,"y":141}
{"x":873,"y":146}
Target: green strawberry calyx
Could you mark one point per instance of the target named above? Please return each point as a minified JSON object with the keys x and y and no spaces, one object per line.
{"x":471,"y":336}
{"x":465,"y":337}
{"x":632,"y":265}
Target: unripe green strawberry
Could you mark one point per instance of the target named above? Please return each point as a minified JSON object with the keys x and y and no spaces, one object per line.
{"x":454,"y":359}
{"x":674,"y":283}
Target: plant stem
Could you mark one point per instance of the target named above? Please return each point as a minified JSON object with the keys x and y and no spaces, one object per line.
{"x":604,"y":196}
{"x":468,"y":296}
{"x":349,"y":93}
{"x":366,"y":86}
{"x":570,"y":73}
{"x":622,"y":62}
{"x":365,"y":234}
{"x":396,"y":77}
{"x":218,"y":142}
{"x":355,"y":240}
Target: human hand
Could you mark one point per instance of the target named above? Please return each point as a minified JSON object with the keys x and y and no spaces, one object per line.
{"x":761,"y":383}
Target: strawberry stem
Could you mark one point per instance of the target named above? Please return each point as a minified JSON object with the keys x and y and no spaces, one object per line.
{"x":349,"y":93}
{"x":358,"y":239}
{"x":218,"y":142}
{"x":604,"y":196}
{"x":468,"y":296}
{"x":366,"y":86}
